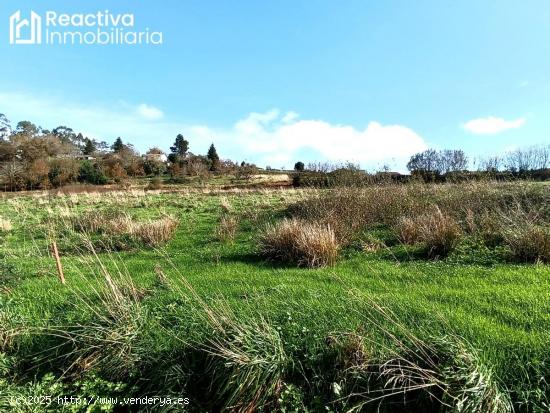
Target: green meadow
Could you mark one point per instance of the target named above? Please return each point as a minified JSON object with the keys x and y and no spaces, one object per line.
{"x":203,"y":313}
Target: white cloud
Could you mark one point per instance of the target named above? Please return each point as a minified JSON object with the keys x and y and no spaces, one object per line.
{"x":492,"y":125}
{"x":289,"y":117}
{"x":149,"y":112}
{"x":282,"y":139}
{"x":269,"y":138}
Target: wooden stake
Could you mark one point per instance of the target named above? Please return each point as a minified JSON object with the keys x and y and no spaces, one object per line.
{"x":58,"y":262}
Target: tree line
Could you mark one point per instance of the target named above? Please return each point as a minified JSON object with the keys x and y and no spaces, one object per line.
{"x":35,"y":158}
{"x":530,"y":162}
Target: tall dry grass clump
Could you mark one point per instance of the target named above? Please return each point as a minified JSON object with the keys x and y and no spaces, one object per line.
{"x":438,"y":232}
{"x":153,"y":232}
{"x":528,"y":242}
{"x":111,"y":341}
{"x":446,"y":374}
{"x":299,"y":242}
{"x":227,"y":228}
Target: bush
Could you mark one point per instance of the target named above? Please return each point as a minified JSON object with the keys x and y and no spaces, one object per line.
{"x":153,"y":167}
{"x":91,"y":174}
{"x":437,"y":231}
{"x":63,"y":171}
{"x":299,"y":242}
{"x":310,"y":180}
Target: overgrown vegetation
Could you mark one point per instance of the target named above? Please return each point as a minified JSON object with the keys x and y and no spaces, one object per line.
{"x":414,"y":298}
{"x":437,"y":217}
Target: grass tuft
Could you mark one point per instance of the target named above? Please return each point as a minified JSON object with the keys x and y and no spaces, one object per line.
{"x":438,"y":232}
{"x":298,"y":242}
{"x":247,"y":362}
{"x":528,"y":242}
{"x":227,"y":228}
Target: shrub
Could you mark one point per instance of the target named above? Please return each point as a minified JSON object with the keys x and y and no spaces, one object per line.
{"x":437,"y":231}
{"x":299,"y":242}
{"x":154,"y":167}
{"x":528,"y":242}
{"x":90,"y":173}
{"x":63,"y":171}
{"x":310,"y":179}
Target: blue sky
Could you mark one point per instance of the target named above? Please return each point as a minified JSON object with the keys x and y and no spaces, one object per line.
{"x":274,"y":82}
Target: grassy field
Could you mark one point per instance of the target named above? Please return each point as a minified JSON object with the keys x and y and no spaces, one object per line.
{"x":205,"y":316}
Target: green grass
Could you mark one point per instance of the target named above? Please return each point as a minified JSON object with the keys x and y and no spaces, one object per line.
{"x":501,"y":309}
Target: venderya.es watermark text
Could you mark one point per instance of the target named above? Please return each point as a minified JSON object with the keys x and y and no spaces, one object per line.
{"x":98,"y":28}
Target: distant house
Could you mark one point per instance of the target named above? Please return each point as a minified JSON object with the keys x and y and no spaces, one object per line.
{"x":157,"y":157}
{"x":78,"y":156}
{"x":85,"y":157}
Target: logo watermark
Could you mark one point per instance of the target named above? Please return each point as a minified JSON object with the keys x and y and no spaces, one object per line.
{"x":100,"y":28}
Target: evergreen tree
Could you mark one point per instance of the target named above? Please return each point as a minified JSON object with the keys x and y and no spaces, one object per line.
{"x":181,"y":146}
{"x":213,"y":157}
{"x":118,"y":145}
{"x":89,"y":147}
{"x":299,"y":166}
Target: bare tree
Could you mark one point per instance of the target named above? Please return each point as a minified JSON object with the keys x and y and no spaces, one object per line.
{"x":490,"y":164}
{"x":12,"y":176}
{"x":427,"y":161}
{"x":521,"y":160}
{"x":452,"y":160}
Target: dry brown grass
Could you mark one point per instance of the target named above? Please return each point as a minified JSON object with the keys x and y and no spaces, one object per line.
{"x":299,"y":242}
{"x":439,"y":232}
{"x":5,"y":225}
{"x":225,"y":205}
{"x":227,"y":228}
{"x":153,"y":232}
{"x":436,"y":215}
{"x":528,"y":242}
{"x":349,"y":211}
